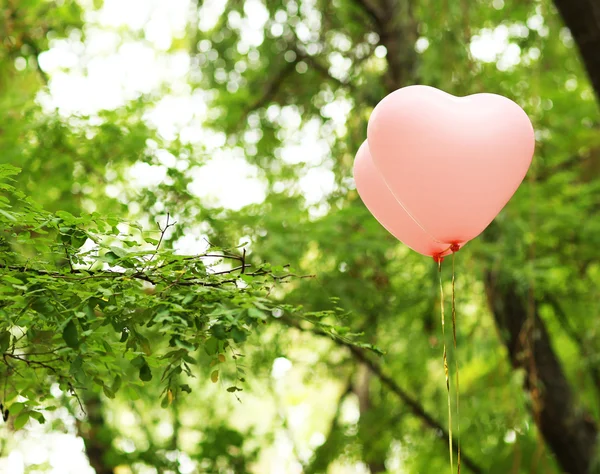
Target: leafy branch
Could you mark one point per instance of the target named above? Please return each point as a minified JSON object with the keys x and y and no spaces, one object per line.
{"x":85,"y":304}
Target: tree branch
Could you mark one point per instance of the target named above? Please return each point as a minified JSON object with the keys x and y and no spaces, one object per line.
{"x":271,"y":88}
{"x":372,"y":9}
{"x":582,"y":17}
{"x":320,"y":68}
{"x":143,"y":276}
{"x":414,"y":406}
{"x":96,"y":435}
{"x":163,"y":231}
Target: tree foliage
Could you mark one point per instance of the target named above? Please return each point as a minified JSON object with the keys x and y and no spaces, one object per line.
{"x":104,"y":318}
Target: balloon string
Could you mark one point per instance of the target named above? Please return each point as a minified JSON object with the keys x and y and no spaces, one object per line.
{"x":446,"y":371}
{"x":456,"y":362}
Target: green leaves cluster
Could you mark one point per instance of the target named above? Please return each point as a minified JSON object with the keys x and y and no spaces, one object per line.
{"x":93,"y":305}
{"x":91,"y":302}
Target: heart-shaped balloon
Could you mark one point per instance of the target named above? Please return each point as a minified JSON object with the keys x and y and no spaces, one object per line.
{"x":452,"y":162}
{"x":383,"y":205}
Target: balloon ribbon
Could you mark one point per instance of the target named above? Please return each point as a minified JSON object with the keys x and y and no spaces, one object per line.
{"x":446,"y":371}
{"x":456,"y":362}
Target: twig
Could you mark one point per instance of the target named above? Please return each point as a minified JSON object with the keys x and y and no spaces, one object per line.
{"x":241,"y":267}
{"x":68,"y":256}
{"x":11,"y":367}
{"x":31,"y":362}
{"x":36,"y":364}
{"x":199,"y":256}
{"x":54,"y":351}
{"x":162,"y":236}
{"x":153,"y":279}
{"x":74,"y":393}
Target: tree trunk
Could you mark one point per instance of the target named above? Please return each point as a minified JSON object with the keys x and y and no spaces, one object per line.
{"x":568,"y":430}
{"x":582,"y":17}
{"x":96,"y":438}
{"x":375,"y":461}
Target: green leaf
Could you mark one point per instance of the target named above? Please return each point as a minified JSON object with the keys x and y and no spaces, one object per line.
{"x":138,"y":361}
{"x":78,"y":238}
{"x":184,"y":345}
{"x":11,"y":279}
{"x":238,"y":335}
{"x":256,"y":313}
{"x":4,"y":341}
{"x":8,"y":215}
{"x":211,"y":346}
{"x":116,"y":385}
{"x":247,"y":278}
{"x":131,"y":392}
{"x":107,"y":346}
{"x":189,"y":298}
{"x":110,"y":257}
{"x":65,"y":216}
{"x":39,"y":417}
{"x":145,"y":373}
{"x":108,"y":392}
{"x":185,"y":388}
{"x":21,"y":420}
{"x":70,"y":334}
{"x":16,"y":408}
{"x":164,"y":402}
{"x":7,"y":170}
{"x":218,"y":330}
{"x":76,"y":365}
{"x":120,"y":252}
{"x":144,"y":344}
{"x":214,"y":377}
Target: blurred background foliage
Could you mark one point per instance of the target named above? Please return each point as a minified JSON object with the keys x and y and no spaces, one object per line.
{"x":286,"y":88}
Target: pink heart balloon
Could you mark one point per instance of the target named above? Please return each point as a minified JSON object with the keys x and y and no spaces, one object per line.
{"x":383,"y":205}
{"x":453,"y":162}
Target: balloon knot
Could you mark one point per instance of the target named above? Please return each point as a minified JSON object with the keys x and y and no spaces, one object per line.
{"x":438,"y":258}
{"x":455,"y":247}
